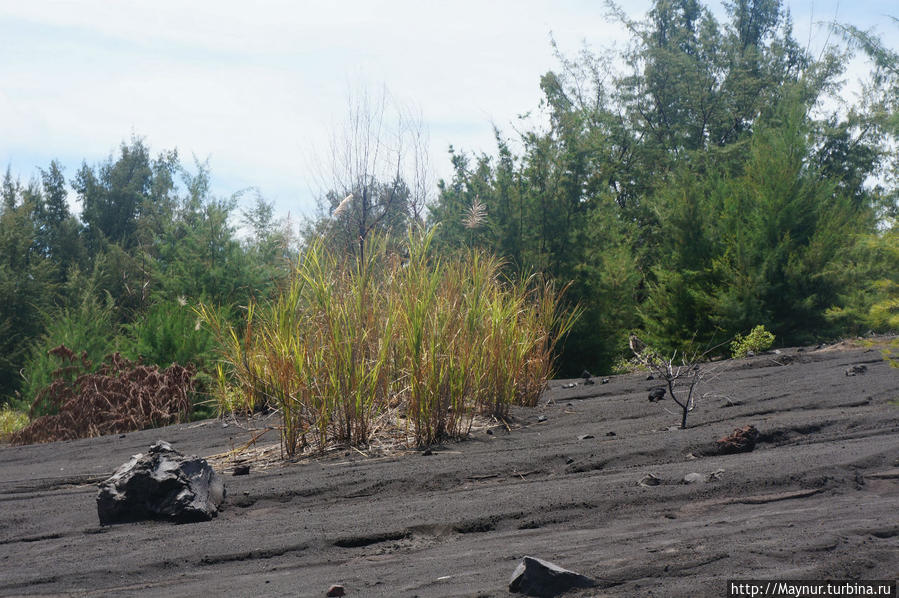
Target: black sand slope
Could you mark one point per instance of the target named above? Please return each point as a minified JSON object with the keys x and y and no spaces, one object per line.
{"x":817,"y":499}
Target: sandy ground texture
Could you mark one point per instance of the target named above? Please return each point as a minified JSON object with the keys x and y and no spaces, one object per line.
{"x":817,"y":499}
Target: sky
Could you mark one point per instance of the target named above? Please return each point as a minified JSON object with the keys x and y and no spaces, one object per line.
{"x":256,"y":88}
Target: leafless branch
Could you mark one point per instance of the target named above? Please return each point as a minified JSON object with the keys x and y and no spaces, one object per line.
{"x":681,"y":375}
{"x":377,"y":172}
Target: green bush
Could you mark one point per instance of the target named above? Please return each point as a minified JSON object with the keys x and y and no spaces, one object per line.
{"x":170,"y":332}
{"x":11,"y":421}
{"x":758,"y":340}
{"x":87,"y":328}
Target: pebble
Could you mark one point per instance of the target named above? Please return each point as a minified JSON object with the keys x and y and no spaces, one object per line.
{"x":650,"y":479}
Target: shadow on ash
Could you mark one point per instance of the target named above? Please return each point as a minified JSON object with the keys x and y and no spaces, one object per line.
{"x":162,"y":485}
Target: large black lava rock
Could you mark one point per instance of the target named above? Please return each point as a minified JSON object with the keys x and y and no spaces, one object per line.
{"x":536,"y":577}
{"x":163,"y":484}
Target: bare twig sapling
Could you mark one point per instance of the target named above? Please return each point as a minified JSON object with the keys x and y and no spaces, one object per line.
{"x":681,"y":376}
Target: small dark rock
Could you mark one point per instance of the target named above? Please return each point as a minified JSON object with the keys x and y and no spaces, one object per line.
{"x":536,"y":577}
{"x":569,"y":461}
{"x":611,"y":434}
{"x":657,"y":394}
{"x":427,"y":452}
{"x":163,"y":484}
{"x":856,"y":370}
{"x":585,"y":437}
{"x":541,"y":418}
{"x":741,"y":440}
{"x":242,"y":470}
{"x":604,"y":381}
{"x":336,"y":590}
{"x":569,"y":385}
{"x":650,"y":377}
{"x":489,"y":431}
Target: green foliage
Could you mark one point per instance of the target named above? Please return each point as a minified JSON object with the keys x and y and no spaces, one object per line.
{"x":201,"y":259}
{"x":787,"y":229}
{"x":891,"y":353}
{"x":767,"y":245}
{"x":756,"y":341}
{"x":688,"y":192}
{"x":142,"y":246}
{"x":88,"y":328}
{"x":11,"y":421}
{"x":871,"y":304}
{"x":169,"y":332}
{"x":677,"y":313}
{"x":884,"y":315}
{"x":349,"y":340}
{"x":125,"y":199}
{"x":27,"y":284}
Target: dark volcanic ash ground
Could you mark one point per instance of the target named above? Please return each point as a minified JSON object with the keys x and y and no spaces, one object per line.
{"x":817,"y":499}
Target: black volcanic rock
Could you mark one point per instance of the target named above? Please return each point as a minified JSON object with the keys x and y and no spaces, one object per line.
{"x":163,"y":484}
{"x":657,"y":394}
{"x":536,"y":577}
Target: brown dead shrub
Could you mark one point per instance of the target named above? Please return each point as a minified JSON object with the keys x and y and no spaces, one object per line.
{"x":121,"y":396}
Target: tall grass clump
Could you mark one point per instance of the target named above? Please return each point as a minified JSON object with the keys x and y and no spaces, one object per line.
{"x":403,"y":341}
